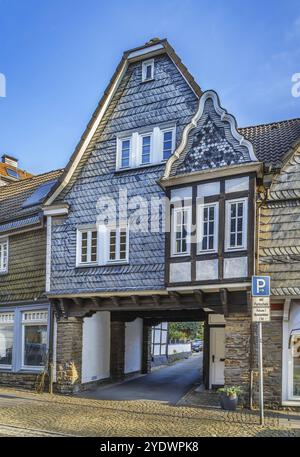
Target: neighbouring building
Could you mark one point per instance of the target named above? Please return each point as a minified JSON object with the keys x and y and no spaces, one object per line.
{"x":163,"y":213}
{"x":25,"y":312}
{"x":10,"y":171}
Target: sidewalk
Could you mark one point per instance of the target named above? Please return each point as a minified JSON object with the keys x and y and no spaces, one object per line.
{"x":44,"y":414}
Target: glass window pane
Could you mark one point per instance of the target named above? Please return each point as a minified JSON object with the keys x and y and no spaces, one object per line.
{"x":146,"y":144}
{"x":149,"y":72}
{"x":6,"y":343}
{"x":35,"y":345}
{"x":239,"y":239}
{"x":296,"y":365}
{"x":167,"y":144}
{"x":240,"y":209}
{"x":233,"y":210}
{"x":232,"y":239}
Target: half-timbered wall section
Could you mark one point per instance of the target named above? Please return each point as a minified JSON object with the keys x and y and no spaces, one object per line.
{"x":212,"y":214}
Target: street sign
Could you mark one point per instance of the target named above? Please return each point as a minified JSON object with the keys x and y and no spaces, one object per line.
{"x":260,"y":286}
{"x":261,"y":313}
{"x":261,"y":309}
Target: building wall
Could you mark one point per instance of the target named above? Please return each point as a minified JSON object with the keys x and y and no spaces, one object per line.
{"x":96,"y":347}
{"x":133,"y":345}
{"x":25,"y":279}
{"x":166,"y":99}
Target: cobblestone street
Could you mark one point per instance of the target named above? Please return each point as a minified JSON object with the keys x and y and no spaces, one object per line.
{"x":25,"y":413}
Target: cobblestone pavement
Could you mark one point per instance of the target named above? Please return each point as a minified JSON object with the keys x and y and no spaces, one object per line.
{"x":25,"y":413}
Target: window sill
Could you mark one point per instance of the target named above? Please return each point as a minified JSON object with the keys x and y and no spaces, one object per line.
{"x":116,"y":262}
{"x":99,"y":265}
{"x":140,"y":167}
{"x":2,"y":273}
{"x":147,"y":80}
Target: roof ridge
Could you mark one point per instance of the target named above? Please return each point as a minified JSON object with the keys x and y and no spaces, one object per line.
{"x":270,"y":123}
{"x":26,"y":180}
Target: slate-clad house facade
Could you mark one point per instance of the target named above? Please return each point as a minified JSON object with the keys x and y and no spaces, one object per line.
{"x":163,"y":213}
{"x":25,"y":312}
{"x":156,"y":136}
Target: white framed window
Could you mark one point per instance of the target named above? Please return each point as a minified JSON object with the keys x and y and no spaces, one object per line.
{"x":3,"y":255}
{"x":6,"y":339}
{"x":236,"y":224}
{"x":168,"y":143}
{"x":34,"y":339}
{"x":145,"y":148}
{"x":87,"y":246}
{"x":118,"y":244}
{"x":125,"y":152}
{"x":181,"y":231}
{"x":147,"y":70}
{"x":207,"y":227}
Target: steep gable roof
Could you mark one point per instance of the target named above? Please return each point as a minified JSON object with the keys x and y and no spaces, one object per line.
{"x":273,"y":141}
{"x":152,"y":48}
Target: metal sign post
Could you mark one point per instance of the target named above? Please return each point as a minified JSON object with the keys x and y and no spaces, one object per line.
{"x":261,"y":313}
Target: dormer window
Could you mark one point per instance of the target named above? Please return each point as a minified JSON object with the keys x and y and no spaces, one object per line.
{"x":148,"y":70}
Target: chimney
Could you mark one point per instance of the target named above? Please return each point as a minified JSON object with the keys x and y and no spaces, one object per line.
{"x":9,"y":160}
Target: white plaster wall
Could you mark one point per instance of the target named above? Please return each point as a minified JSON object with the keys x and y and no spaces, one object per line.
{"x":96,"y":347}
{"x":179,"y":347}
{"x":180,"y":272}
{"x":133,"y":345}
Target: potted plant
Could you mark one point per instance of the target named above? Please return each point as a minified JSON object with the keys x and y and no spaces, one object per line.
{"x":229,"y":397}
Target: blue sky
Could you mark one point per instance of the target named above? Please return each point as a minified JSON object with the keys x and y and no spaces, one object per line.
{"x":58,"y":56}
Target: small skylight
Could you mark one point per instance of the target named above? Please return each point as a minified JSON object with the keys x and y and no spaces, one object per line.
{"x":39,"y":194}
{"x":12,"y":173}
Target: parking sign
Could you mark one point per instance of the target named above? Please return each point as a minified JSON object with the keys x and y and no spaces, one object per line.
{"x":260,"y":286}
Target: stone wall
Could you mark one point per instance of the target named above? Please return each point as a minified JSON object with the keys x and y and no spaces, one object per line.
{"x":237,"y":353}
{"x":117,"y":350}
{"x":69,"y":355}
{"x":238,"y":358}
{"x":146,"y":355}
{"x":272,"y":363}
{"x":19,"y":380}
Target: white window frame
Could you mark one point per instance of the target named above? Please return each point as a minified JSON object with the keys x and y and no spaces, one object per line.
{"x":228,"y":204}
{"x":120,"y":150}
{"x":8,"y":318}
{"x":141,"y":136}
{"x":89,"y":231}
{"x":146,"y":64}
{"x":4,"y":258}
{"x":118,"y":230}
{"x":163,"y":131}
{"x":42,"y":321}
{"x":176,"y":210}
{"x":200,"y":227}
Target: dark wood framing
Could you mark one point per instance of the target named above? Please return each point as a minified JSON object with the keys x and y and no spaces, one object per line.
{"x":193,"y":257}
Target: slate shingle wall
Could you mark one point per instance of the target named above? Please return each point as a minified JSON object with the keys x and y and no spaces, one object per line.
{"x":279,"y":231}
{"x":135,"y":105}
{"x":25,"y":279}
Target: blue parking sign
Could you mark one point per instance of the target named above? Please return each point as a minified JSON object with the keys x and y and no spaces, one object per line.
{"x":260,"y":286}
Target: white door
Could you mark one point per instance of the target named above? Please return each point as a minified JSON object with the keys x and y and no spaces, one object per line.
{"x":217,"y":356}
